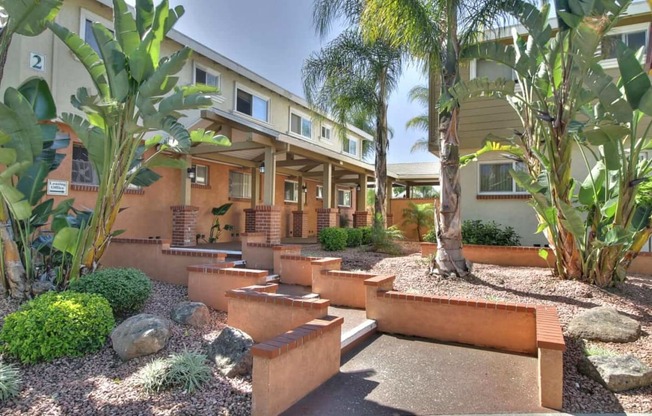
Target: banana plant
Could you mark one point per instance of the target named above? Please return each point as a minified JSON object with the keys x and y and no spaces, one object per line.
{"x":566,"y":101}
{"x":27,"y":148}
{"x":131,"y":123}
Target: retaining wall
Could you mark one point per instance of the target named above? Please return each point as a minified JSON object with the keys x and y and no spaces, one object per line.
{"x":342,"y":288}
{"x":209,"y":283}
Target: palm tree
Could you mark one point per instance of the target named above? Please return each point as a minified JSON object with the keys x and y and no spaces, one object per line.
{"x":419,"y":94}
{"x":352,"y":76}
{"x":421,"y":215}
{"x":435,"y":31}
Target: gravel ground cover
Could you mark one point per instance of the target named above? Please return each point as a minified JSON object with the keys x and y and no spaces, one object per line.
{"x":534,"y":286}
{"x":102,"y":384}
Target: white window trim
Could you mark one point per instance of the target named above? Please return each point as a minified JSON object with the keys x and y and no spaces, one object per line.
{"x":303,"y":116}
{"x":219,"y":97}
{"x":357,"y":148}
{"x":473,"y":74}
{"x":206,"y":179}
{"x":85,"y":15}
{"x":239,"y":86}
{"x":328,"y":126}
{"x":497,"y":162}
{"x":317,"y":194}
{"x":613,"y":63}
{"x":298,"y":190}
{"x":350,"y":198}
{"x":244,"y":174}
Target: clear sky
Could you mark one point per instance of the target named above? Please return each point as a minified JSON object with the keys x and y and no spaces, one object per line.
{"x":272,"y":38}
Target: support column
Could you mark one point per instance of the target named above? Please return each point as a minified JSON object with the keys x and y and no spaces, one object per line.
{"x":250,"y":220}
{"x":300,"y":224}
{"x":255,"y":187}
{"x":268,"y":221}
{"x":327,"y":185}
{"x":361,"y":218}
{"x":301,"y":197}
{"x":269,"y":177}
{"x":184,"y":225}
{"x":186,"y":184}
{"x":326,"y":217}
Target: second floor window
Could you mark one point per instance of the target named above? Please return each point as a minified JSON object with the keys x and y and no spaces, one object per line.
{"x":83,"y":172}
{"x":634,"y":40}
{"x":350,"y":146}
{"x":206,"y":77}
{"x":252,"y":105}
{"x":239,"y":185}
{"x":492,"y":70}
{"x":300,"y":125}
{"x":325,"y":132}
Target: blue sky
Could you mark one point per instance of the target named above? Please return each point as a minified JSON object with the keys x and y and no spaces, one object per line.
{"x":272,"y":38}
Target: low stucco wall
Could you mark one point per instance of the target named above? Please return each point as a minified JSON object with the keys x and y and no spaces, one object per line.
{"x":208,"y":283}
{"x":266,"y":315}
{"x":292,"y":365}
{"x":156,"y":259}
{"x":342,"y":288}
{"x":516,"y":256}
{"x":296,"y":270}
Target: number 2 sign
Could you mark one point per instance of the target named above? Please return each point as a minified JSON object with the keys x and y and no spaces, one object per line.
{"x":37,"y":61}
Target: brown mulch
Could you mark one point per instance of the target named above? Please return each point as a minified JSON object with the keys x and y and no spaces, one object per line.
{"x":535,"y":286}
{"x":102,"y":384}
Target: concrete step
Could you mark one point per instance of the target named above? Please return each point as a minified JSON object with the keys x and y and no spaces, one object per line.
{"x":240,"y":264}
{"x":273,"y":278}
{"x":358,"y":334}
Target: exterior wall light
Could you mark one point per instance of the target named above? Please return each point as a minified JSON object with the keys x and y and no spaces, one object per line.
{"x":192,"y":173}
{"x":305,"y":189}
{"x":358,"y":188}
{"x":261,"y":168}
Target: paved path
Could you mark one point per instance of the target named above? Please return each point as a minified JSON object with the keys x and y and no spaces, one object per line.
{"x":391,"y":375}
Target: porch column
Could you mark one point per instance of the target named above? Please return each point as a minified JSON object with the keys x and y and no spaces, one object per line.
{"x":250,"y":213}
{"x":300,"y":216}
{"x":186,"y":183}
{"x":408,"y":190}
{"x":327,"y":185}
{"x":184,"y":215}
{"x":390,"y":215}
{"x":361,"y":216}
{"x":269,"y":177}
{"x":268,"y":221}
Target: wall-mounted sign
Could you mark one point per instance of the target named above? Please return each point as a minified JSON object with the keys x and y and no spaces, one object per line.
{"x":57,"y":187}
{"x":37,"y":61}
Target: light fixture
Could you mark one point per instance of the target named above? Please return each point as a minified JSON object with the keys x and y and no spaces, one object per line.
{"x":357,"y":188}
{"x":192,"y":173}
{"x":305,"y":189}
{"x":261,"y":168}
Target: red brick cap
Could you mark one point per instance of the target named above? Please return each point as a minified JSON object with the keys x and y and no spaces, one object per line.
{"x":278,"y":299}
{"x":549,"y":334}
{"x":347,"y":274}
{"x":230,"y":271}
{"x":379,"y":280}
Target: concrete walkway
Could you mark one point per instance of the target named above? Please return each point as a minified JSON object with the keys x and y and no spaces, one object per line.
{"x":391,"y":375}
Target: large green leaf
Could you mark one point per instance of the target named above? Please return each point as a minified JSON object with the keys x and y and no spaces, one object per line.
{"x":18,"y":121}
{"x":29,"y":17}
{"x":37,"y":93}
{"x":209,"y":137}
{"x":165,"y":161}
{"x":145,"y":177}
{"x":32,"y":181}
{"x":126,"y":31}
{"x":93,"y":138}
{"x":67,"y":240}
{"x":162,"y":81}
{"x":572,"y":220}
{"x":144,"y":16}
{"x":86,"y":55}
{"x":590,"y":189}
{"x":180,"y":102}
{"x":115,"y":62}
{"x":608,"y":93}
{"x":145,"y":59}
{"x":635,"y":80}
{"x":7,"y":156}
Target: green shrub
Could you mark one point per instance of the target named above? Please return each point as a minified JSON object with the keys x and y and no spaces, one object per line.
{"x":431,"y":236}
{"x":353,"y":237}
{"x":9,"y":381}
{"x":490,"y":234}
{"x":126,"y":290}
{"x":383,"y":240}
{"x":333,"y":239}
{"x":366,"y":235}
{"x":57,"y":325}
{"x":187,"y":370}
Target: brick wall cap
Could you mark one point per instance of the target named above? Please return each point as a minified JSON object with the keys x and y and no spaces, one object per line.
{"x":254,"y":234}
{"x":300,"y":212}
{"x":184,"y":208}
{"x":278,"y":299}
{"x":342,"y":273}
{"x":298,"y":258}
{"x":325,"y":261}
{"x":327,"y":210}
{"x":126,"y":240}
{"x":267,"y":208}
{"x":379,"y":280}
{"x":285,"y":247}
{"x":189,"y":252}
{"x":296,"y":337}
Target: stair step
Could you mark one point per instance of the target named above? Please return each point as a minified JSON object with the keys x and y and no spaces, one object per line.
{"x":311,"y":296}
{"x":238,"y":263}
{"x":356,"y":335}
{"x":273,"y":278}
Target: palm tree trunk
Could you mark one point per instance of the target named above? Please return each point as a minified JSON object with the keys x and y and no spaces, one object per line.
{"x":380,"y":202}
{"x":14,"y":277}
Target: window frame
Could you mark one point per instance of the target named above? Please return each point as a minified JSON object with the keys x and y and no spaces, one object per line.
{"x":344,"y":191}
{"x":319,"y":192}
{"x":253,"y":93}
{"x":72,"y":167}
{"x":473,"y":74}
{"x":206,"y":180}
{"x":623,"y":30}
{"x":357,"y":147}
{"x":497,"y":162}
{"x":302,"y":116}
{"x":329,"y":127}
{"x":296,"y":191}
{"x":244,"y":174}
{"x":85,"y":15}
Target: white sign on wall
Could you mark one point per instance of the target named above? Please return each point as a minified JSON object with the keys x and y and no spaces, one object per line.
{"x":57,"y":187}
{"x":37,"y":61}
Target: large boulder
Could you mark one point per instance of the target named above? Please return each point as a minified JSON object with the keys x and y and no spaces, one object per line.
{"x":604,"y":324}
{"x":617,"y":373}
{"x":191,"y":313}
{"x":231,"y":352}
{"x":140,"y":335}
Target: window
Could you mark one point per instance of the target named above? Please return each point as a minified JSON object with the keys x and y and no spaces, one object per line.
{"x":291,"y":192}
{"x":301,"y":125}
{"x":239,"y":184}
{"x":86,"y":29}
{"x":320,"y":192}
{"x":634,"y":40}
{"x":343,"y":198}
{"x":207,"y":77}
{"x":350,"y":146}
{"x":252,"y":105}
{"x":482,"y":68}
{"x":201,"y":175}
{"x":83,"y":171}
{"x":495,"y":178}
{"x":325,"y":132}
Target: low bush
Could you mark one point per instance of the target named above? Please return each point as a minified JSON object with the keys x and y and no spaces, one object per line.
{"x":333,"y":239}
{"x":383,"y":240}
{"x":488,"y":233}
{"x":127,"y":290}
{"x":57,"y":325}
{"x":430,"y":236}
{"x":9,"y":381}
{"x":187,"y":370}
{"x":353,"y":237}
{"x":366,"y":235}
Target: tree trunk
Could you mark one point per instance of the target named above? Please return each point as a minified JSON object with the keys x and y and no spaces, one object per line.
{"x":14,"y":276}
{"x":381,"y":145}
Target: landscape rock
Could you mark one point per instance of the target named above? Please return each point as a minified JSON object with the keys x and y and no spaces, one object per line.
{"x":231,"y":352}
{"x":40,"y":287}
{"x":617,"y":373}
{"x":191,"y":313}
{"x":604,"y":324}
{"x":140,"y":335}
